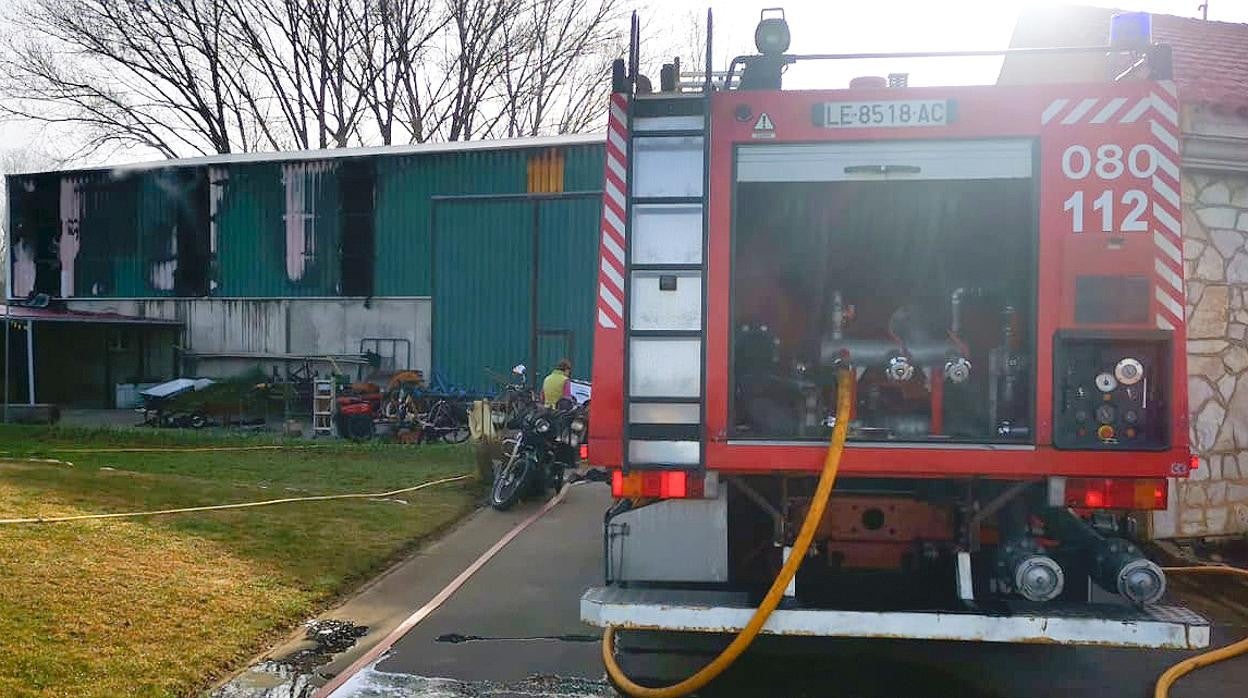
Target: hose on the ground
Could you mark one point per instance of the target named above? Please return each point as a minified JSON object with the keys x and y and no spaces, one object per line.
{"x":823,"y":491}
{"x":190,"y":449}
{"x":239,"y":505}
{"x":41,"y":461}
{"x":1235,"y":649}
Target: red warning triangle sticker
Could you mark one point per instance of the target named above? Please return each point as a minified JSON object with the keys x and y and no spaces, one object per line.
{"x":764,"y":123}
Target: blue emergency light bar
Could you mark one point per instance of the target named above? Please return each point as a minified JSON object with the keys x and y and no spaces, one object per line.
{"x":1131,"y":31}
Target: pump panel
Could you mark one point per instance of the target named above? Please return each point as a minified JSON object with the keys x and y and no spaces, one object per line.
{"x":1111,"y":391}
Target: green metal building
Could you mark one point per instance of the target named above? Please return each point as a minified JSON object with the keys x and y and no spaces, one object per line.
{"x":456,"y":259}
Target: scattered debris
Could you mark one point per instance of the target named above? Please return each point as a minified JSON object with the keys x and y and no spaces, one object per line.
{"x":333,"y":636}
{"x":269,"y":679}
{"x":296,"y":675}
{"x":381,"y":684}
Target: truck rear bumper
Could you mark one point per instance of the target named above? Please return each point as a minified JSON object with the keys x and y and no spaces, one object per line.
{"x":1162,"y":627}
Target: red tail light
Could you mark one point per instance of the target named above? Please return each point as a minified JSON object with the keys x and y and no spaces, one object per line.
{"x":655,"y":484}
{"x":1193,"y":462}
{"x":584,"y":452}
{"x":673,"y":485}
{"x":1116,"y":493}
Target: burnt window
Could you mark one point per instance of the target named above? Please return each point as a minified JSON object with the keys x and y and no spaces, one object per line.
{"x":192,"y":221}
{"x":35,"y":228}
{"x":356,"y":181}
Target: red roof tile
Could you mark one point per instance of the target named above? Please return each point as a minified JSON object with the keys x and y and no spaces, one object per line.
{"x":1210,"y":59}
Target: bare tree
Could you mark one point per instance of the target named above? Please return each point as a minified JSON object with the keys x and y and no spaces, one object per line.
{"x":479,"y":29}
{"x":217,"y":76}
{"x":392,"y":68}
{"x":556,"y":63}
{"x":309,"y":56}
{"x":683,"y":36}
{"x":140,"y":72}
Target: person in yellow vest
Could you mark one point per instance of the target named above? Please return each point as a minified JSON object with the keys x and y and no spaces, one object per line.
{"x":555,"y":386}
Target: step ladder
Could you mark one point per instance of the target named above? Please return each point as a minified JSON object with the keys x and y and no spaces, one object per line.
{"x":324,"y":406}
{"x":665,"y":318}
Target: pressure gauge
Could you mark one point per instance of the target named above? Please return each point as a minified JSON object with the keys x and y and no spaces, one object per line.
{"x":1105,"y":382}
{"x":1105,"y":414}
{"x":1129,"y":371}
{"x":1131,"y":417}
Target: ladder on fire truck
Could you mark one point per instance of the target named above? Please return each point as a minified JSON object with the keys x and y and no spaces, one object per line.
{"x":657,"y":176}
{"x":652,"y":325}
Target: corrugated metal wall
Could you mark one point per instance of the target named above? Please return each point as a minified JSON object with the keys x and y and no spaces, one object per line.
{"x":563,"y":277}
{"x":405,"y":186}
{"x":276,"y":231}
{"x":513,"y":282}
{"x":483,"y":290}
{"x":149,"y":270}
{"x":249,"y":221}
{"x":108,"y":245}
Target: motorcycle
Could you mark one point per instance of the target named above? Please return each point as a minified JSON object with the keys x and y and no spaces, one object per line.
{"x":515,"y":400}
{"x":548,"y":444}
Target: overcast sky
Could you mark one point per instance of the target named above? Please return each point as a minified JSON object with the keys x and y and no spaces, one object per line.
{"x":857,"y":26}
{"x":824,"y":26}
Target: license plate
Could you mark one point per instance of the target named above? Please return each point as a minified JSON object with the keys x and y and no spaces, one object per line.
{"x":883,"y":114}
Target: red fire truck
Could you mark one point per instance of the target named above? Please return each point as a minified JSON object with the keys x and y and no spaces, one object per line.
{"x":994,"y":275}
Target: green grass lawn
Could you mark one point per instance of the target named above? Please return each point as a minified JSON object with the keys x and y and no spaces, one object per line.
{"x":160,"y":606}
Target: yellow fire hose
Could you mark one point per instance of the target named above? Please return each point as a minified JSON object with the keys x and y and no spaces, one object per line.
{"x":236,"y":505}
{"x":804,"y":538}
{"x":1187,"y":666}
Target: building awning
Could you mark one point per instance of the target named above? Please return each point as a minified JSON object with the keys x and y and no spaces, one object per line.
{"x":23,"y":313}
{"x":30,"y":317}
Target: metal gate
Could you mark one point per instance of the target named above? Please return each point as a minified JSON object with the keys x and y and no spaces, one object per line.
{"x":514,"y":281}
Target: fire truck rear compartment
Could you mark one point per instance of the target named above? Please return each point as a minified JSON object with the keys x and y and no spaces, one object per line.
{"x":925,"y":286}
{"x":921,"y":558}
{"x":889,"y":542}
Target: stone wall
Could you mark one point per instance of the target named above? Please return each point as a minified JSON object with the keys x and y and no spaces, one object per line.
{"x":1215,"y":252}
